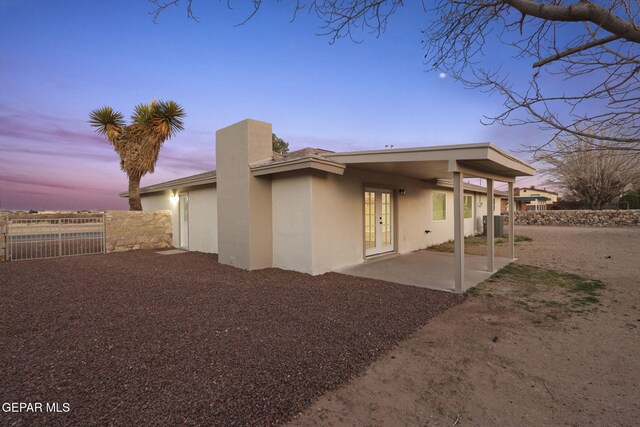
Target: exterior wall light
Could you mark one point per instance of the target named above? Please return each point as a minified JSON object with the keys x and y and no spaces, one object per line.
{"x":174,"y":197}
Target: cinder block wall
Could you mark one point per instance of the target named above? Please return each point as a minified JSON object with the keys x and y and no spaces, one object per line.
{"x":131,"y":230}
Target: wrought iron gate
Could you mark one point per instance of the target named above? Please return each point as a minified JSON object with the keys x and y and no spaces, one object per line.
{"x":54,"y":237}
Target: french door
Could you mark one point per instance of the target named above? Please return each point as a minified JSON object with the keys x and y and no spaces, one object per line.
{"x":378,"y":221}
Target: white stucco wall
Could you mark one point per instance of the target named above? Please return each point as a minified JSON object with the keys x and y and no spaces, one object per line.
{"x":337,"y":217}
{"x":203,"y":216}
{"x":337,"y":212}
{"x":292,"y":222}
{"x":203,"y":220}
{"x":317,"y":223}
{"x":442,"y":230}
{"x":244,"y":208}
{"x":480,"y":206}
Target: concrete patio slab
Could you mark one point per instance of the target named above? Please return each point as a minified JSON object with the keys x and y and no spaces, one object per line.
{"x":425,"y":269}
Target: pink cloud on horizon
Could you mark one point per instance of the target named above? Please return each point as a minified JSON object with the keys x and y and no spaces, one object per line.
{"x":58,"y":163}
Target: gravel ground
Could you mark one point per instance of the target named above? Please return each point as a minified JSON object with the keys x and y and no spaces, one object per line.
{"x":142,"y":339}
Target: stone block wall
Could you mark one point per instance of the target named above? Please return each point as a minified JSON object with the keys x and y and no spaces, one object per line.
{"x":604,"y":218}
{"x":131,"y":230}
{"x":125,"y":230}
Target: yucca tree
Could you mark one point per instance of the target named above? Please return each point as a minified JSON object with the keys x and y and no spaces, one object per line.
{"x":138,"y":144}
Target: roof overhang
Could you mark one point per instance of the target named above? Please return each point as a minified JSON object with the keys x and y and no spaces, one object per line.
{"x":207,"y":178}
{"x":483,"y":160}
{"x":298,"y":164}
{"x":467,"y":187}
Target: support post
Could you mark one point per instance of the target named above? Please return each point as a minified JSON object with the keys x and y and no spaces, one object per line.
{"x":490,"y":226}
{"x":458,"y":232}
{"x":512,"y":221}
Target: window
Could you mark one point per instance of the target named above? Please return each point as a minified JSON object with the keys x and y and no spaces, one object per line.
{"x":468,"y":206}
{"x":439,"y":206}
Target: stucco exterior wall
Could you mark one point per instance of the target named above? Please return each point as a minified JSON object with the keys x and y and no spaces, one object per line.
{"x":337,"y":216}
{"x":439,"y":230}
{"x":244,"y":201}
{"x":480,"y":210}
{"x":203,"y":220}
{"x":292,"y":222}
{"x":127,"y":230}
{"x":203,"y":216}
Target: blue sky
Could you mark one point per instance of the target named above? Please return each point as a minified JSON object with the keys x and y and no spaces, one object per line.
{"x":58,"y":61}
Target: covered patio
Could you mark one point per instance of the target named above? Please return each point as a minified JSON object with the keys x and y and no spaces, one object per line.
{"x":430,"y":164}
{"x":426,"y":269}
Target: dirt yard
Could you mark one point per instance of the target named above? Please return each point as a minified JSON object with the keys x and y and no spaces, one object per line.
{"x":499,"y":359}
{"x":139,"y":338}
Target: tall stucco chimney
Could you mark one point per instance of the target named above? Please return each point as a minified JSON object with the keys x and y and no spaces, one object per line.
{"x":244,"y":201}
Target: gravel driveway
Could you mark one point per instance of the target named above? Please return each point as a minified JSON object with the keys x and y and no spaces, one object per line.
{"x":143,"y":339}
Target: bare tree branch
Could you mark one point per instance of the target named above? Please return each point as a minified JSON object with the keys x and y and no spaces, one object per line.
{"x":574,"y":50}
{"x":601,"y":72}
{"x":598,"y":61}
{"x":583,"y":11}
{"x":591,"y":171}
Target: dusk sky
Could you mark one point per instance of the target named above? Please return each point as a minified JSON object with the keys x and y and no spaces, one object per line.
{"x":60,"y":60}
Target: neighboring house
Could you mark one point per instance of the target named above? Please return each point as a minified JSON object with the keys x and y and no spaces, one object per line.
{"x":535,"y":199}
{"x":526,"y":203}
{"x":315,"y":211}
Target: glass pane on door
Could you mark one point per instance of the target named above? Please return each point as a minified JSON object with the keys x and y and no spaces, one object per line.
{"x":385,"y":220}
{"x":369,"y":219}
{"x":378,"y":221}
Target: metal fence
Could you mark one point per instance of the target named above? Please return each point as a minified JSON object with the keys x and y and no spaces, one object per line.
{"x":54,"y":237}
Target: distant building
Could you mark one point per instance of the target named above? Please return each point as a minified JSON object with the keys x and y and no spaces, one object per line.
{"x":536,"y":192}
{"x":531,"y":199}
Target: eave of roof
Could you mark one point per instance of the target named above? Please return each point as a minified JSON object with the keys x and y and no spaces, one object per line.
{"x":448,"y":183}
{"x":280,"y":166}
{"x":205,"y":178}
{"x":485,"y":155}
{"x":482,"y":156}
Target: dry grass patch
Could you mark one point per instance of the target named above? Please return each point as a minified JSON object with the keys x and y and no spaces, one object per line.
{"x":538,"y":288}
{"x":477,"y":241}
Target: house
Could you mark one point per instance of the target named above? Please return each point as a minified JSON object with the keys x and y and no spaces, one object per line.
{"x":533,"y":192}
{"x":315,"y":211}
{"x":531,"y":199}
